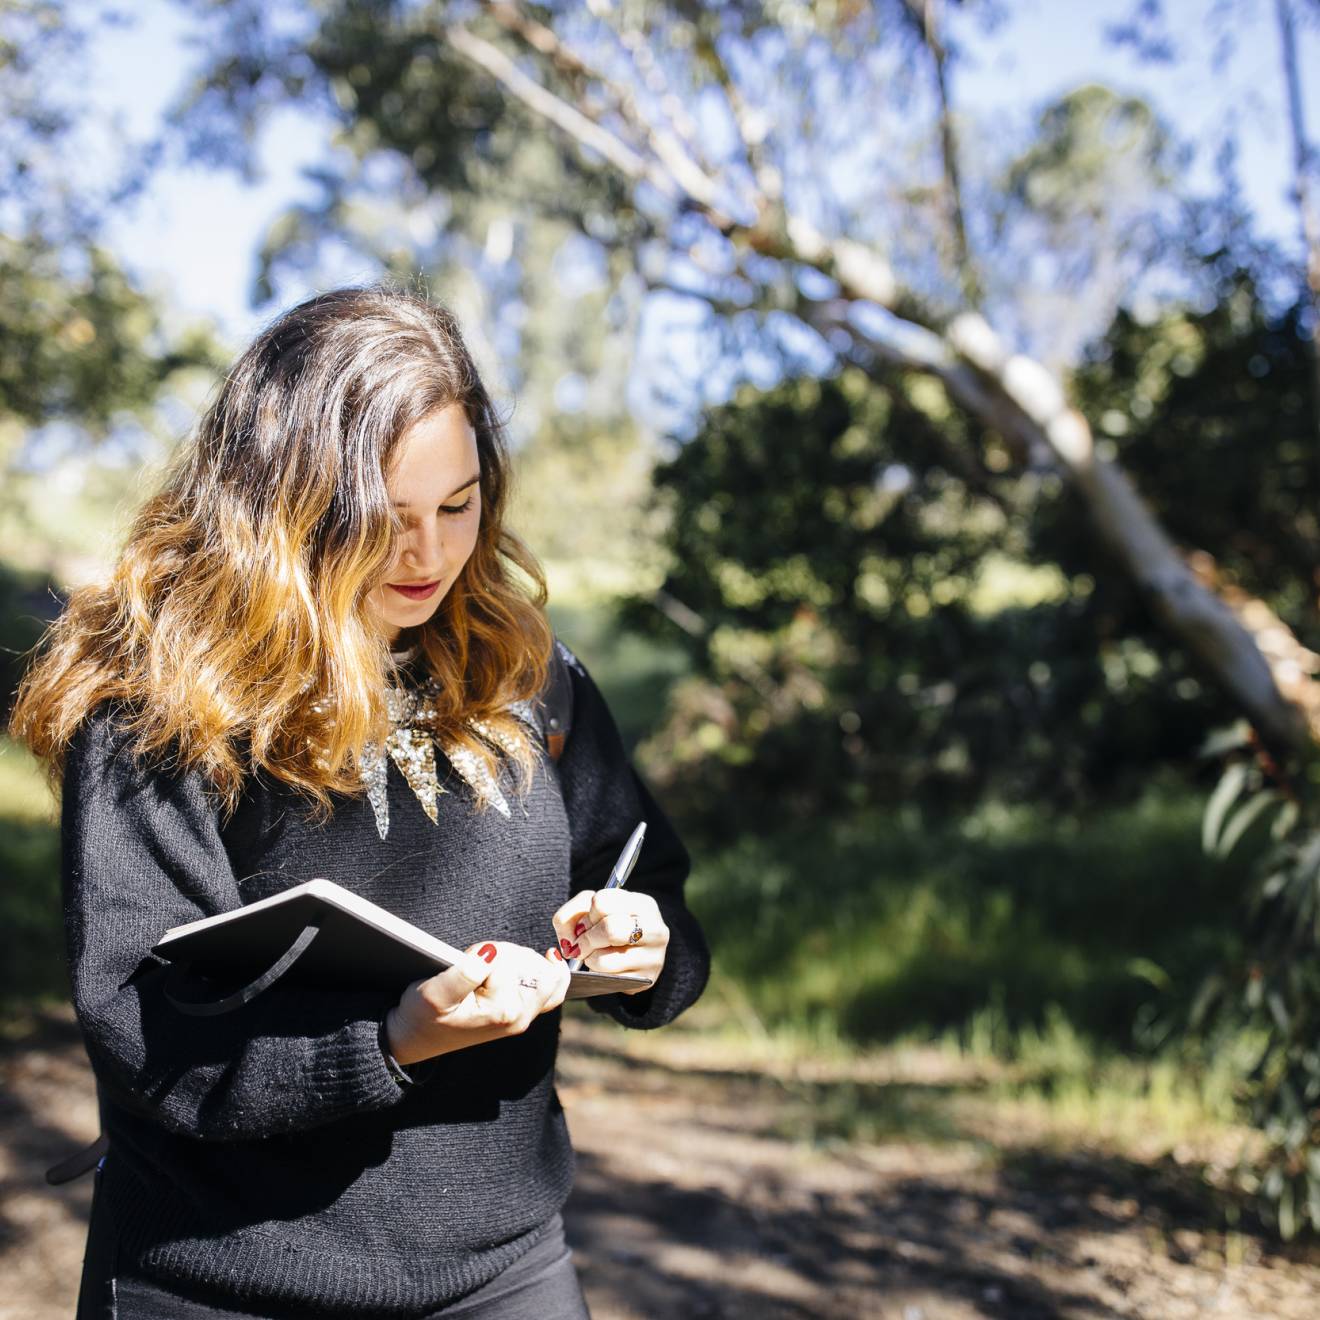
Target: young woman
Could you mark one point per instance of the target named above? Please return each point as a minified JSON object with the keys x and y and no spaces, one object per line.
{"x":320,"y":654}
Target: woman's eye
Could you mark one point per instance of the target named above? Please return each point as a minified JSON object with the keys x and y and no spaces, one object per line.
{"x":457,"y":508}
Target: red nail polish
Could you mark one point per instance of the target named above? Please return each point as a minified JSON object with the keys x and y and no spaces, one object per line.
{"x":574,"y":950}
{"x":554,"y":953}
{"x":579,"y":928}
{"x":488,"y":952}
{"x":564,"y":944}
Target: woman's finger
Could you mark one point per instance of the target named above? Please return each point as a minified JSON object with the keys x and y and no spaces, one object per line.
{"x":619,"y":930}
{"x":525,"y":985}
{"x":626,"y":930}
{"x":606,"y":902}
{"x":633,"y":962}
{"x":567,"y":915}
{"x":558,"y":980}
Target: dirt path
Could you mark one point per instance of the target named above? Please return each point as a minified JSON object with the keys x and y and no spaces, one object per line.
{"x":698,"y":1197}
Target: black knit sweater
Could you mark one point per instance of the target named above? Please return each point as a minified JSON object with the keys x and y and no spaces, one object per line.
{"x":269,"y":1155}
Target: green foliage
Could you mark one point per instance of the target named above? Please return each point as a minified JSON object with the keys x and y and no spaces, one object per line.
{"x":85,"y":345}
{"x":80,"y":344}
{"x":27,"y":604}
{"x":32,"y":965}
{"x":1212,"y":414}
{"x":1271,"y":990}
{"x":874,"y":626}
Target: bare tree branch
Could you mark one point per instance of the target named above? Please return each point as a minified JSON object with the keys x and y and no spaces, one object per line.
{"x":1014,"y":394}
{"x":861,"y":271}
{"x":1302,"y":165}
{"x":926,"y":13}
{"x":673,"y":154}
{"x":573,"y":121}
{"x":653,"y":78}
{"x":751,"y":126}
{"x":1021,"y":399}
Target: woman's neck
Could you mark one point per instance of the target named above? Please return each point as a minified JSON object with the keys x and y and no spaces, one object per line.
{"x":403,"y":643}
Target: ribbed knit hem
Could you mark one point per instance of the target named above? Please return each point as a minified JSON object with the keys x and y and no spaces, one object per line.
{"x":248,"y":1269}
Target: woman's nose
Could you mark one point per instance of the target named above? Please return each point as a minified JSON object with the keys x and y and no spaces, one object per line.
{"x":424,"y":550}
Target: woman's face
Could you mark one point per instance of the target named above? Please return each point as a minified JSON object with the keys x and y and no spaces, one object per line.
{"x":434,"y":486}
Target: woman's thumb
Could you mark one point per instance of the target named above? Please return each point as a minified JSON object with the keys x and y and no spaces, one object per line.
{"x":454,"y":985}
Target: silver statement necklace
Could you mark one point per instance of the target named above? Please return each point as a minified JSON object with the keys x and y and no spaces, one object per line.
{"x":412,"y":746}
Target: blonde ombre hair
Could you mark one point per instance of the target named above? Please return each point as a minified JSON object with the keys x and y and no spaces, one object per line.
{"x":234,"y":629}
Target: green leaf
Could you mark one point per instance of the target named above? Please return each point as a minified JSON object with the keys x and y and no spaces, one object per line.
{"x":1242,"y":820}
{"x":1287,"y":1213}
{"x":1149,"y":971}
{"x":1285,"y":820}
{"x":1226,"y":791}
{"x":1274,"y":883}
{"x":1222,"y":741}
{"x":1278,"y":1011}
{"x":1211,"y":989}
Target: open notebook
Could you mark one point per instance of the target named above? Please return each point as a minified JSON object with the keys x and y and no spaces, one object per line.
{"x":357,"y":945}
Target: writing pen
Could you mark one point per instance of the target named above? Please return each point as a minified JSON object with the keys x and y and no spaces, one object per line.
{"x":622,"y":870}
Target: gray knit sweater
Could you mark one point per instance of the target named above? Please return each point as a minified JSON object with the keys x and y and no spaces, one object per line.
{"x":269,"y":1155}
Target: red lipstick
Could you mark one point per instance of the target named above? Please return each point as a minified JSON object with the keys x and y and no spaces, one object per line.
{"x":415,"y":590}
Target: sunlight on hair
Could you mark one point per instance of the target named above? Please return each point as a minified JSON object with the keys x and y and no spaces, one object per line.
{"x":234,"y":632}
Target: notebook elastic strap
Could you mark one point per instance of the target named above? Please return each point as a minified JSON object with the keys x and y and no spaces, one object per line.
{"x":211,"y":1008}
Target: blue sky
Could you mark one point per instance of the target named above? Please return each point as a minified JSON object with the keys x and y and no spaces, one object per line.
{"x":194,"y":233}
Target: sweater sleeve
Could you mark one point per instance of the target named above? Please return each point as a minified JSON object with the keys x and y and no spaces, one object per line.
{"x":141,"y":852}
{"x":605,"y":798}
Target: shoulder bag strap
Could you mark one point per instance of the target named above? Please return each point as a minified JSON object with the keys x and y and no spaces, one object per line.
{"x":557,"y":704}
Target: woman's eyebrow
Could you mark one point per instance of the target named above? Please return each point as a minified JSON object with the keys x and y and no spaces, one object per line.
{"x":471,"y":481}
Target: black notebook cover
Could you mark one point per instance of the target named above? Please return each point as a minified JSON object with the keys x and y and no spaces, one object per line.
{"x":358,"y":945}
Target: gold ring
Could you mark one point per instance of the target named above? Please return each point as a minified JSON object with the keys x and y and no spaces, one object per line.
{"x":636,"y":930}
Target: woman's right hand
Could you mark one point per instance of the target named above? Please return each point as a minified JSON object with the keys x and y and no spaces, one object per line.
{"x":449,"y":1011}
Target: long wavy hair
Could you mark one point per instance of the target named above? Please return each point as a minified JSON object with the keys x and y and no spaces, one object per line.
{"x":234,"y":631}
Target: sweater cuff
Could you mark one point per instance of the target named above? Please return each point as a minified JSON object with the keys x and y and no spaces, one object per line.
{"x":679,"y":985}
{"x":414,"y":1073}
{"x":349,"y":1074}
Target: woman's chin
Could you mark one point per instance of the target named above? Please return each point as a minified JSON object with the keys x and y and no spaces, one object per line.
{"x":400,"y":623}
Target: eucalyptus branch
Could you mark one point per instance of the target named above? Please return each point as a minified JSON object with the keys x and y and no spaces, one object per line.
{"x":1023,"y":401}
{"x":1009,"y":392}
{"x":649,"y":71}
{"x":926,"y":13}
{"x":724,"y":306}
{"x":750,"y":126}
{"x":629,"y":162}
{"x":861,"y":271}
{"x":1303,"y":164}
{"x":668,"y":149}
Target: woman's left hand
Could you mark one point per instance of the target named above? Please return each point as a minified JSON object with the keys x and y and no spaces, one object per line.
{"x":614,"y":930}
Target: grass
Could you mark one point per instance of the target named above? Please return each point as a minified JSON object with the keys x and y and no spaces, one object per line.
{"x":1062,"y":1095}
{"x":31,"y":940}
{"x":874,"y":929}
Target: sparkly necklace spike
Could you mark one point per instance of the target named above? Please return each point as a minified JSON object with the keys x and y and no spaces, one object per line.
{"x":411,"y":746}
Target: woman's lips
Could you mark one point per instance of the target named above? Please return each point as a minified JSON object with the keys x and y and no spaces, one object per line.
{"x":416,"y":591}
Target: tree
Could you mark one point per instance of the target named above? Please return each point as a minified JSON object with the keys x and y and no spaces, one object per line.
{"x":85,"y":355}
{"x":741,"y":219}
{"x":853,"y":640}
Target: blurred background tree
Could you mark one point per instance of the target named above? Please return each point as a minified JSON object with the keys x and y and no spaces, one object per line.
{"x":86,"y":358}
{"x":893,"y":574}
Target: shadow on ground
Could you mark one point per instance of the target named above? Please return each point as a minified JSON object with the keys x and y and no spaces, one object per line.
{"x":691,"y":1202}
